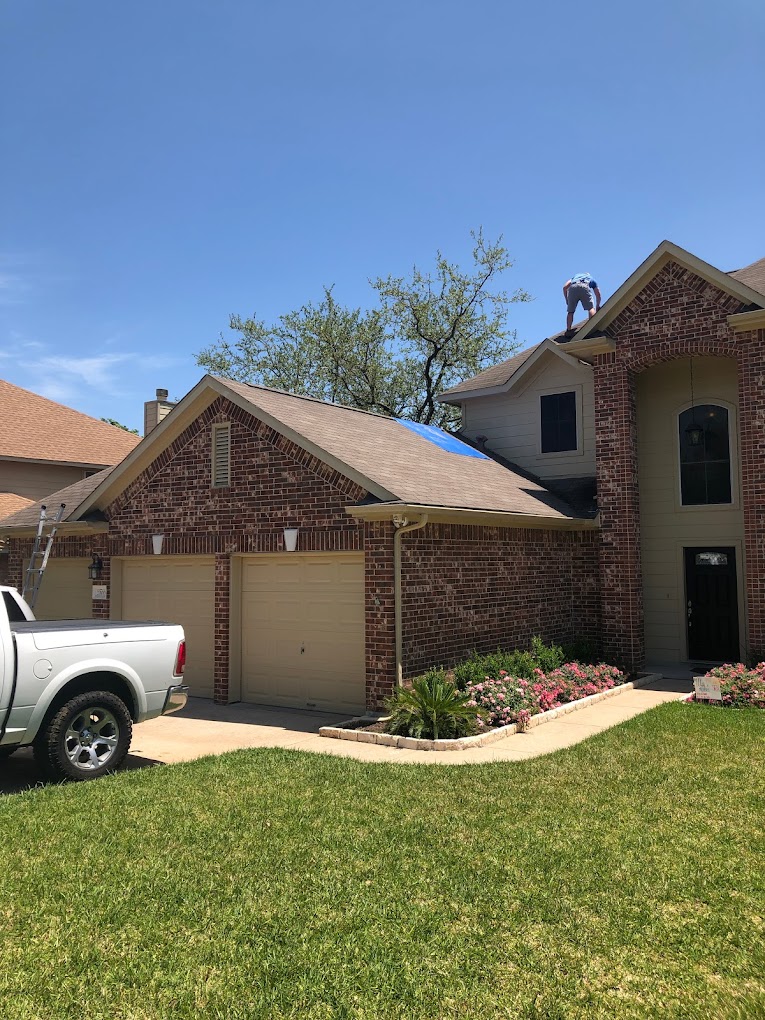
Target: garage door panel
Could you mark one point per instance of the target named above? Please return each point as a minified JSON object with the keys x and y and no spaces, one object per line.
{"x":182,"y":592}
{"x":303,"y":631}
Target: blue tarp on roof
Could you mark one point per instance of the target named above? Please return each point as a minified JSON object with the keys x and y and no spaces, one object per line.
{"x":443,"y":439}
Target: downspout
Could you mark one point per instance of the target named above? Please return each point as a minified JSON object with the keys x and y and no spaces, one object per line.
{"x":402,"y":526}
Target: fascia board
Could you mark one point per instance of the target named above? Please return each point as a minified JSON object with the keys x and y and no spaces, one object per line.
{"x":184,"y":412}
{"x":190,"y":407}
{"x":548,"y":346}
{"x":462,"y":515}
{"x":666,"y":252}
{"x":85,"y":465}
{"x":63,"y":529}
{"x":305,"y":444}
{"x":520,"y":373}
{"x":743,"y":321}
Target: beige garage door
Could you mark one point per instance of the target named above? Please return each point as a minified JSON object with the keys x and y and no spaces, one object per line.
{"x":65,"y":592}
{"x":176,"y":589}
{"x":302,"y":620}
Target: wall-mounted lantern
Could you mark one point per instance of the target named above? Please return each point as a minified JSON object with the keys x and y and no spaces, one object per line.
{"x":95,"y":567}
{"x":290,"y":539}
{"x":156,"y":544}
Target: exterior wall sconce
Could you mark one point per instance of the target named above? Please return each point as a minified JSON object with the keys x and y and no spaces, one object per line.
{"x":156,"y":544}
{"x":695,"y":434}
{"x":290,"y":539}
{"x":95,"y":568}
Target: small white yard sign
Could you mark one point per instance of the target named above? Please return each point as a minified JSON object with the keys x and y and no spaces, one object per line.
{"x":707,"y":688}
{"x":99,"y":592}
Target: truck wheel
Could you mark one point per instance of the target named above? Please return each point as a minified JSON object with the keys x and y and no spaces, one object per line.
{"x":88,"y":736}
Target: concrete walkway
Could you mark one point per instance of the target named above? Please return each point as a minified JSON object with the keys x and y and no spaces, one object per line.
{"x":203,"y":728}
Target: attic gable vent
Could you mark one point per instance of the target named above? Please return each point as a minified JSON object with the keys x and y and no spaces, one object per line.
{"x":221,"y":455}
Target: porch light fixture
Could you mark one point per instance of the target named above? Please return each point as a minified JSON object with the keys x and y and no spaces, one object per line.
{"x":156,"y":544}
{"x":694,"y":431}
{"x":290,"y":539}
{"x":95,"y":567}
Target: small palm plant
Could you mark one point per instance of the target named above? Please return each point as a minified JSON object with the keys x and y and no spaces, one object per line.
{"x":432,"y":709}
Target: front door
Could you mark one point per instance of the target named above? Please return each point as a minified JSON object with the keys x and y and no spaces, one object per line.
{"x":711,"y":604}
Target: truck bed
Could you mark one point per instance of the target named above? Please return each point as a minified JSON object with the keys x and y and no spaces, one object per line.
{"x":49,"y":626}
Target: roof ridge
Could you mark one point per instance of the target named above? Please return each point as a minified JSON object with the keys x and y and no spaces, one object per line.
{"x":304,"y":396}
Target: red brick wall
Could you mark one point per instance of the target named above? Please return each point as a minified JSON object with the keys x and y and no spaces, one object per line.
{"x":379,"y":612}
{"x":467,"y":587}
{"x":677,"y":315}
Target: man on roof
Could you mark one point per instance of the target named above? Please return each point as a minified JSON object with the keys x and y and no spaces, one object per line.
{"x":581,"y":287}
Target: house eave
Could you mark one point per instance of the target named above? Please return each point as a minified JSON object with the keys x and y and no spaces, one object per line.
{"x":742,"y":322}
{"x":64,"y":529}
{"x":464,"y":515}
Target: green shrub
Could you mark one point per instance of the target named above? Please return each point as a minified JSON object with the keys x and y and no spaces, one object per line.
{"x":547,"y":657}
{"x":432,"y":709}
{"x":517,"y":663}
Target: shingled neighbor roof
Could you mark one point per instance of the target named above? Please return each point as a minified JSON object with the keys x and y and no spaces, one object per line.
{"x":392,"y":456}
{"x":753,"y":275}
{"x":35,"y":428}
{"x":73,"y":495}
{"x":10,"y":503}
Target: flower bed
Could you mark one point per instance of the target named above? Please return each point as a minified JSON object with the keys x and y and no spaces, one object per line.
{"x":740,"y":686}
{"x":506,"y":699}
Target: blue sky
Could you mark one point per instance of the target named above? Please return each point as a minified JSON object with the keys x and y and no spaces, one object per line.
{"x":168,"y":163}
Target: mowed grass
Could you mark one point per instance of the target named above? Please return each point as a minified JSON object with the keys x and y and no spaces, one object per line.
{"x":620,"y":878}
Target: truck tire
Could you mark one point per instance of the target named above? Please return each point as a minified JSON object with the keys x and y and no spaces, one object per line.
{"x":88,"y":737}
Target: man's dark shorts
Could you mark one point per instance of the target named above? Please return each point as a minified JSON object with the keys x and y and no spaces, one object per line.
{"x":580,"y":292}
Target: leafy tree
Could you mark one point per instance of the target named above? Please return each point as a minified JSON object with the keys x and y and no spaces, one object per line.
{"x":428,"y":332}
{"x":119,"y":425}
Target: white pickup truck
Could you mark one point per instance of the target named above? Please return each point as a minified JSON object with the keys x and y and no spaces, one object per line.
{"x":72,"y":689}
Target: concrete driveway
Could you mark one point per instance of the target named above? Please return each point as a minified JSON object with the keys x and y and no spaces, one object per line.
{"x":203,"y":728}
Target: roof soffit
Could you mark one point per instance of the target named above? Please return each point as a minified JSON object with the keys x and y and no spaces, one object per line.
{"x":656,"y":261}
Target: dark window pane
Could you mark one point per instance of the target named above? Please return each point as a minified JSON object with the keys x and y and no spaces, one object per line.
{"x":693,"y":483}
{"x":558,"y":415}
{"x":704,"y":466}
{"x":718,"y":482}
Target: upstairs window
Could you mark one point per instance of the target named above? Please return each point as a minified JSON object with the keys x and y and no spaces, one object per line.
{"x":221,"y":455}
{"x":704,"y":455}
{"x":558,"y":414}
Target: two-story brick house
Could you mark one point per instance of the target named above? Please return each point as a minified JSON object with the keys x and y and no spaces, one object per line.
{"x":318,"y":554}
{"x":657,"y":407}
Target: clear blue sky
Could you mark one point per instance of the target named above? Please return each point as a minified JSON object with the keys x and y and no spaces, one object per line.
{"x":166,"y":163}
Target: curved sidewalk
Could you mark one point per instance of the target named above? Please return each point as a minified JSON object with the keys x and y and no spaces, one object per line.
{"x":204,"y":728}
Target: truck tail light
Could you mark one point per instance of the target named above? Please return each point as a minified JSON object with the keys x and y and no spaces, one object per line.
{"x":180,"y":659}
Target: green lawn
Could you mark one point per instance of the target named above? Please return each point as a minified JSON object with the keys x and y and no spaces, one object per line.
{"x":623,"y":877}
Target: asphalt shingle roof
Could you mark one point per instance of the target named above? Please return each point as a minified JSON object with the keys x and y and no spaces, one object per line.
{"x":35,"y":428}
{"x":11,"y":503}
{"x":404,"y":463}
{"x":73,"y":495}
{"x":753,"y":276}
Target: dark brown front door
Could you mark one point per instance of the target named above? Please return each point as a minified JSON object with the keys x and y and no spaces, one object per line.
{"x":712,"y":604}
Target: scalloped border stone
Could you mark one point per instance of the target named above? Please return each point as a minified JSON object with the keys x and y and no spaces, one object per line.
{"x":341,"y":732}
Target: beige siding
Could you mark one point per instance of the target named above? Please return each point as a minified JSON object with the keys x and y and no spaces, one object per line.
{"x":36,"y":481}
{"x":511,"y":422}
{"x":302,"y":630}
{"x":667,"y":527}
{"x":65,"y":590}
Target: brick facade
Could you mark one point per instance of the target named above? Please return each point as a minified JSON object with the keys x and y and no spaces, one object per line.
{"x":676,"y":315}
{"x":467,"y":587}
{"x":464,"y":587}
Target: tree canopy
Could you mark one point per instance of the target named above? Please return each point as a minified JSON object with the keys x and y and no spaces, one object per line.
{"x":427,"y":332}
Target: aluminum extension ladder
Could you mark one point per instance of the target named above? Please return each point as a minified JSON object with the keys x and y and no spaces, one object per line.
{"x":40,"y":553}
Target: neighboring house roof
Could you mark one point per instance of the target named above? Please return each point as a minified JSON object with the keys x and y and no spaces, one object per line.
{"x":753,"y":275}
{"x":397,"y":463}
{"x":10,"y":503}
{"x":35,"y":428}
{"x":72,"y":496}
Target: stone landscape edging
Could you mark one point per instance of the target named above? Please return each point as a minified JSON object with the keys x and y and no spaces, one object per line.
{"x":480,"y":739}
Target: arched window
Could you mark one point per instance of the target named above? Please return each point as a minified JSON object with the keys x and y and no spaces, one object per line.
{"x":704,"y":455}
